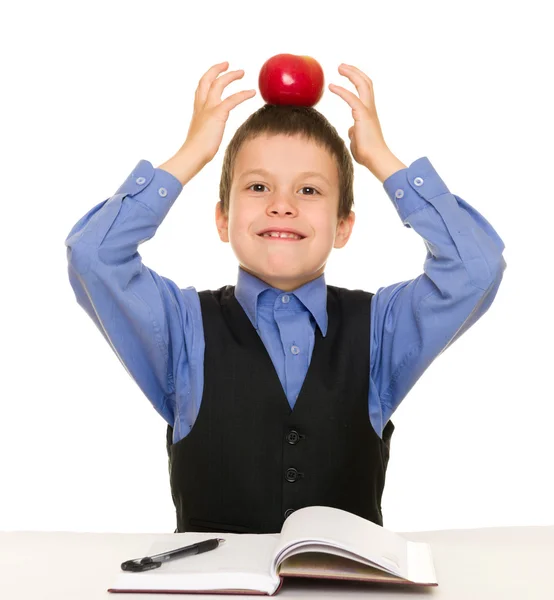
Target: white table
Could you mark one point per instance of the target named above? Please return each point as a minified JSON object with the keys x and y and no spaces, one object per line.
{"x":471,"y":564}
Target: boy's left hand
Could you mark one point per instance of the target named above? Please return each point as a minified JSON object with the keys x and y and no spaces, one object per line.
{"x":366,"y":137}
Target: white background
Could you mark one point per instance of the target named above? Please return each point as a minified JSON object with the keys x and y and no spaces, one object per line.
{"x":94,"y":88}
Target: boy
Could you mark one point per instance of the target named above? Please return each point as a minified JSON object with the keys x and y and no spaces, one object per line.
{"x":278,"y":391}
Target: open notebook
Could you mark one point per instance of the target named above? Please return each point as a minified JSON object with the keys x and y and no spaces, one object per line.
{"x":316,"y":541}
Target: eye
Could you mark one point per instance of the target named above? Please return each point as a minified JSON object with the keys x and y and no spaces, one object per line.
{"x":304,"y":188}
{"x":310,"y":188}
{"x":256,"y":184}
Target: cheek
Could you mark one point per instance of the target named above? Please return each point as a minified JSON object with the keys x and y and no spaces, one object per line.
{"x":244,"y":216}
{"x":241,"y":222}
{"x":324,"y":224}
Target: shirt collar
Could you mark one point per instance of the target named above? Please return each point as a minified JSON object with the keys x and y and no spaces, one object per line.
{"x":313,"y":296}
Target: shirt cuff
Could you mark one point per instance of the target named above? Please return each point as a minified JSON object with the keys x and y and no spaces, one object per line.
{"x":411,"y":188}
{"x":155,"y":188}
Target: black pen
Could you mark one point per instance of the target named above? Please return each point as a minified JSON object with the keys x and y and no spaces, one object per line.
{"x":153,"y":562}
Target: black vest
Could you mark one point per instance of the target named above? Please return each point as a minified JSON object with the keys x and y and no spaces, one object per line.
{"x":249,"y":460}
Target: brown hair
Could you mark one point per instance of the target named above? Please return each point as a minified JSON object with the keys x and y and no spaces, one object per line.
{"x":291,"y":120}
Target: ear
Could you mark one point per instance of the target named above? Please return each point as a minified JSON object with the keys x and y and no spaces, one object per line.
{"x":222,"y":223}
{"x":344,"y":230}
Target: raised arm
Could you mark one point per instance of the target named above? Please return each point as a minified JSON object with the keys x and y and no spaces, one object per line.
{"x":143,"y":316}
{"x":414,"y":321}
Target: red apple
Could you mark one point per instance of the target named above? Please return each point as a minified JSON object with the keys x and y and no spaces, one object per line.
{"x":291,"y":79}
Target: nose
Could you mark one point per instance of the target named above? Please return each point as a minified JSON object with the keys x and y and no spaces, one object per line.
{"x":282,"y":204}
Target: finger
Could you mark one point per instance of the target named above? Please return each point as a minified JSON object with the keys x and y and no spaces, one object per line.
{"x":361,"y":73}
{"x":351,"y":99}
{"x":361,"y":84}
{"x":216,"y":89}
{"x":229,"y":103}
{"x":206,"y":81}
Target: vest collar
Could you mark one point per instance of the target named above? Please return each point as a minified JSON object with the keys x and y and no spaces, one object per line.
{"x":313,"y":296}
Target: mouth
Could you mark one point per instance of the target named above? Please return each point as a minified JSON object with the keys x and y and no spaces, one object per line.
{"x":270,"y":238}
{"x":281,"y":236}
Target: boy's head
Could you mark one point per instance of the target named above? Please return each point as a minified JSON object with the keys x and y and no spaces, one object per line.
{"x":285,"y":142}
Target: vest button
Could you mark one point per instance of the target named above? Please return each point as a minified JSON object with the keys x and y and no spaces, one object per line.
{"x":289,"y":512}
{"x":291,"y":474}
{"x":293,"y":436}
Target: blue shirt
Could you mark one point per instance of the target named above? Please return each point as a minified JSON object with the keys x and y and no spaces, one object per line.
{"x":155,"y":328}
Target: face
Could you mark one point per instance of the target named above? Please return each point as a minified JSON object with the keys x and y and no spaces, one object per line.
{"x":284,"y":197}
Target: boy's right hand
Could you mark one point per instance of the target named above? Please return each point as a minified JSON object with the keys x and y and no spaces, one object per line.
{"x":211,"y":113}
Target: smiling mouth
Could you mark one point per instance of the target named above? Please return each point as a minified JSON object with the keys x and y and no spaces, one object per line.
{"x":270,"y":238}
{"x":279,"y":239}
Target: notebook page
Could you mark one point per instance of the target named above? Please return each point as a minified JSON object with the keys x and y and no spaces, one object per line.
{"x":420,"y":563}
{"x":329,"y":566}
{"x":242,"y":562}
{"x":303,"y":547}
{"x":347,"y":531}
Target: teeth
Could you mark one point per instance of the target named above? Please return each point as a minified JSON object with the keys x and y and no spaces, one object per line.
{"x":282,"y":235}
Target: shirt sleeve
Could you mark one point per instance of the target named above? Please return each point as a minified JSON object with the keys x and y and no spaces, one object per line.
{"x":413,"y":322}
{"x":141,"y":314}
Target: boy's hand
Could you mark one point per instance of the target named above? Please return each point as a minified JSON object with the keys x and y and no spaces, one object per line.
{"x":211,"y":113}
{"x":366,"y":137}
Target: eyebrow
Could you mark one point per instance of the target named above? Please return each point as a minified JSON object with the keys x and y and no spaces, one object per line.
{"x":268,"y":174}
